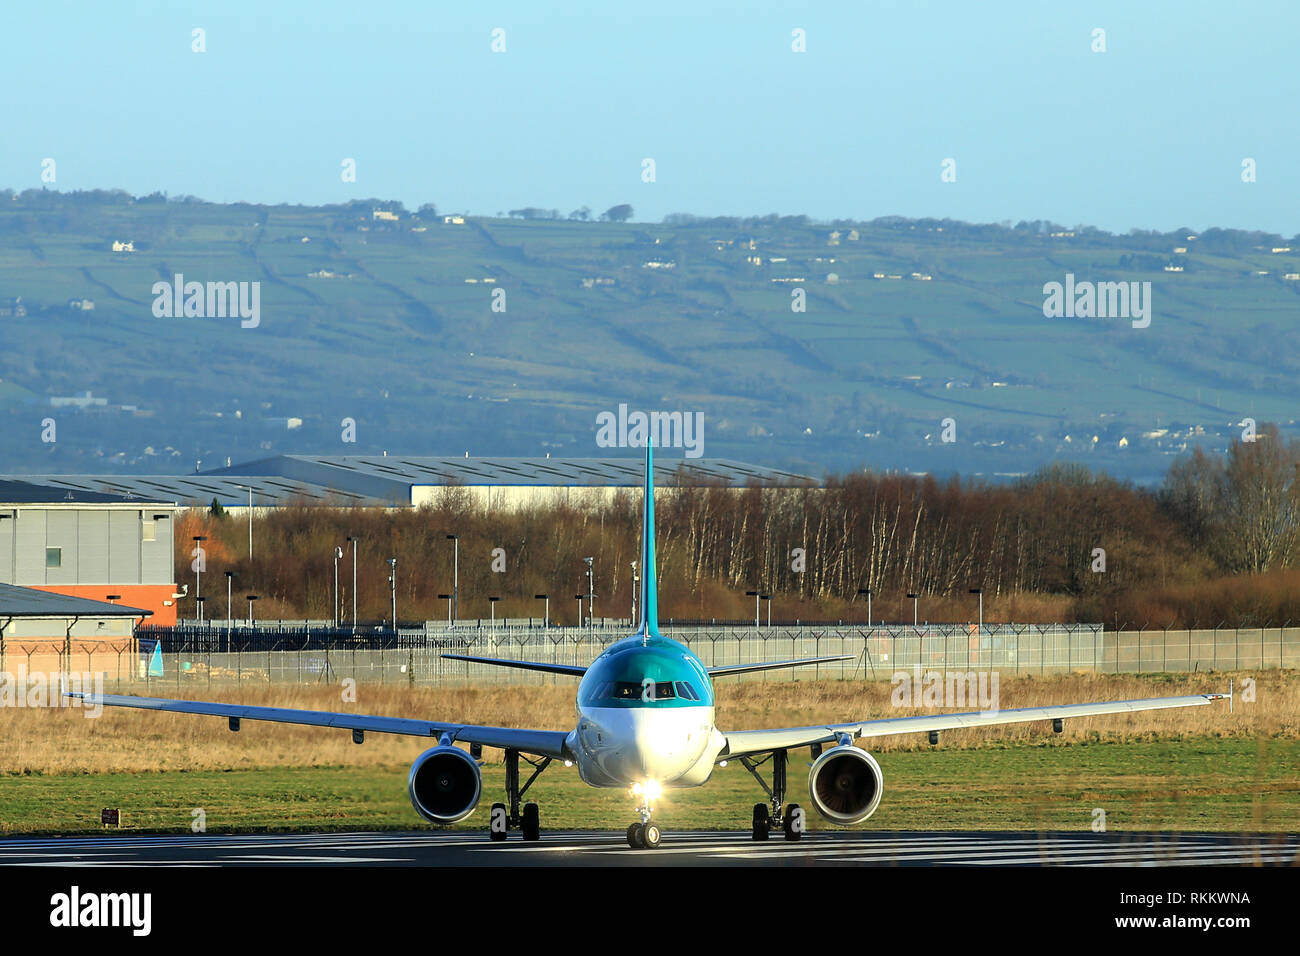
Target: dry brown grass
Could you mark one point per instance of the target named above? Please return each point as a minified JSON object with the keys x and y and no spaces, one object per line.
{"x":64,"y":741}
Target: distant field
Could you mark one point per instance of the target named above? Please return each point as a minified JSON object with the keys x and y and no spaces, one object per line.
{"x":1201,"y":769}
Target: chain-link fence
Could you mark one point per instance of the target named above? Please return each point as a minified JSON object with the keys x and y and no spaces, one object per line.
{"x":413,"y":657}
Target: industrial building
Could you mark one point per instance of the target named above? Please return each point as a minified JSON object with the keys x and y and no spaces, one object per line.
{"x":411,"y":481}
{"x":89,"y":544}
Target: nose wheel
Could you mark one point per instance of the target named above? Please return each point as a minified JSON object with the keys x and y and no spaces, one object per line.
{"x":644,"y":836}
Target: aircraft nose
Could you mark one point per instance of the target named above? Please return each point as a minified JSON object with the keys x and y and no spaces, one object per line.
{"x":660,"y":745}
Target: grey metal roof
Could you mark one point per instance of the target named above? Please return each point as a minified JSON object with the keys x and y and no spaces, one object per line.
{"x":201,"y":489}
{"x":29,"y":602}
{"x":406,"y":470}
{"x":17,"y":491}
{"x":371,"y":480}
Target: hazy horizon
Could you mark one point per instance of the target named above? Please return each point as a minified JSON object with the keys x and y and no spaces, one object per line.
{"x":1150,"y":134}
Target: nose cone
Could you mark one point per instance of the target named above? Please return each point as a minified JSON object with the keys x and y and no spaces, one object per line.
{"x":654,"y":743}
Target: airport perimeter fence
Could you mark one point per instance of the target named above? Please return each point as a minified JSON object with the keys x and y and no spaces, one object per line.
{"x":413,"y":656}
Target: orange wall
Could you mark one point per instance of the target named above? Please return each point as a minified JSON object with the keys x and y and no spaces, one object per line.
{"x":150,"y":597}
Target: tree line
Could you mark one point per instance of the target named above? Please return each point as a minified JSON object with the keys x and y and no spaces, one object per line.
{"x":1217,"y":543}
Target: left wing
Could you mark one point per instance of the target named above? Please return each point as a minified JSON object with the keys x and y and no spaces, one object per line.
{"x":570,"y":669}
{"x":543,"y":743}
{"x":761,"y":741}
{"x":728,"y":669}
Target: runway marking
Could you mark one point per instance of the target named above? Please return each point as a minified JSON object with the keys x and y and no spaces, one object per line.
{"x":1124,"y":858}
{"x":826,"y":848}
{"x":312,"y":859}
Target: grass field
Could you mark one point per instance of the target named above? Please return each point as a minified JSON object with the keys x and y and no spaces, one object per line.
{"x":1201,"y":769}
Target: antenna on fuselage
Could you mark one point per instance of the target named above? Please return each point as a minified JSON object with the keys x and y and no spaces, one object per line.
{"x":649,"y":623}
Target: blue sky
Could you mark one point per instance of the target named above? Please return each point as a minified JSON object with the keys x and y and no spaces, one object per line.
{"x":1149,"y":134}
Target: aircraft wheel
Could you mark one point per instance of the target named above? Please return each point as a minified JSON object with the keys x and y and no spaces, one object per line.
{"x":650,"y":836}
{"x":762,"y":821}
{"x":497,"y":823}
{"x":636,"y":836}
{"x":532,"y":824}
{"x":794,"y":822}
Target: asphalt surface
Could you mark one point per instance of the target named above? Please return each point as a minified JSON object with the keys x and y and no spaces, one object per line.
{"x":606,"y":848}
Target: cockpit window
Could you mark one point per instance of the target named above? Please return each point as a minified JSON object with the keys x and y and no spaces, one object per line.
{"x":635,"y":690}
{"x":639,"y":691}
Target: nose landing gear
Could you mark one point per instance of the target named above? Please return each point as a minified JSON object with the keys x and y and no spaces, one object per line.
{"x":644,"y":835}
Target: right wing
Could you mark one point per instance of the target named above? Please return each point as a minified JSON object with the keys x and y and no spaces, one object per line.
{"x":761,"y":741}
{"x":543,"y":743}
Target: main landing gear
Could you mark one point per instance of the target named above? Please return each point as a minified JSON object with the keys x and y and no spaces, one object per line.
{"x":528,"y":822}
{"x":644,"y":835}
{"x":788,"y":818}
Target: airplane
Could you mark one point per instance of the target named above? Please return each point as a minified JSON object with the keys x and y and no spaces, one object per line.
{"x":646,"y":722}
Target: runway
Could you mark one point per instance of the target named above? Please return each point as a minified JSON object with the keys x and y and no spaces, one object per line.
{"x":605,"y":848}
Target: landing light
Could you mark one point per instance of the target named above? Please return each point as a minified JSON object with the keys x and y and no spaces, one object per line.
{"x":568,"y":763}
{"x":722,"y":763}
{"x":652,"y":790}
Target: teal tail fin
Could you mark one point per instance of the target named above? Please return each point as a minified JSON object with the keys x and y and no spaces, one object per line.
{"x":649,"y":622}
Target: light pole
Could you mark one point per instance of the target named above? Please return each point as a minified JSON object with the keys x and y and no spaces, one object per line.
{"x":251,"y":599}
{"x":492,"y":603}
{"x":913,"y":597}
{"x":199,"y":601}
{"x":455,"y":578}
{"x":867,"y":592}
{"x":338,"y":553}
{"x":980,"y":632}
{"x":250,"y":522}
{"x":198,"y":569}
{"x":754,"y":595}
{"x":392,"y":583}
{"x":546,"y":619}
{"x":353,"y":539}
{"x":580,"y":599}
{"x":591,"y":592}
{"x":768,"y":599}
{"x":447,"y":598}
{"x":230,"y":576}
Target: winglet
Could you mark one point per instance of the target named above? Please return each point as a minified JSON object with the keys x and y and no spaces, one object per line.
{"x":649,"y":623}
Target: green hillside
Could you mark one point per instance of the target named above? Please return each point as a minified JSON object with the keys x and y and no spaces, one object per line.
{"x":397,"y":330}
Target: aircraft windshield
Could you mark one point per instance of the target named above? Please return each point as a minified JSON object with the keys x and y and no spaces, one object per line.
{"x":639,"y":690}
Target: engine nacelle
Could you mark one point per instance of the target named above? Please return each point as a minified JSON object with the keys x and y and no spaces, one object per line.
{"x":445,"y":785}
{"x":845,"y":784}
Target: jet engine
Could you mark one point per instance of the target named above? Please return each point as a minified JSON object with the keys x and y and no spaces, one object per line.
{"x":445,"y":784}
{"x":845,"y":784}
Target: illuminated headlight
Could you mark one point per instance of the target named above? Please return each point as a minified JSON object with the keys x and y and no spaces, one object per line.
{"x":652,"y":790}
